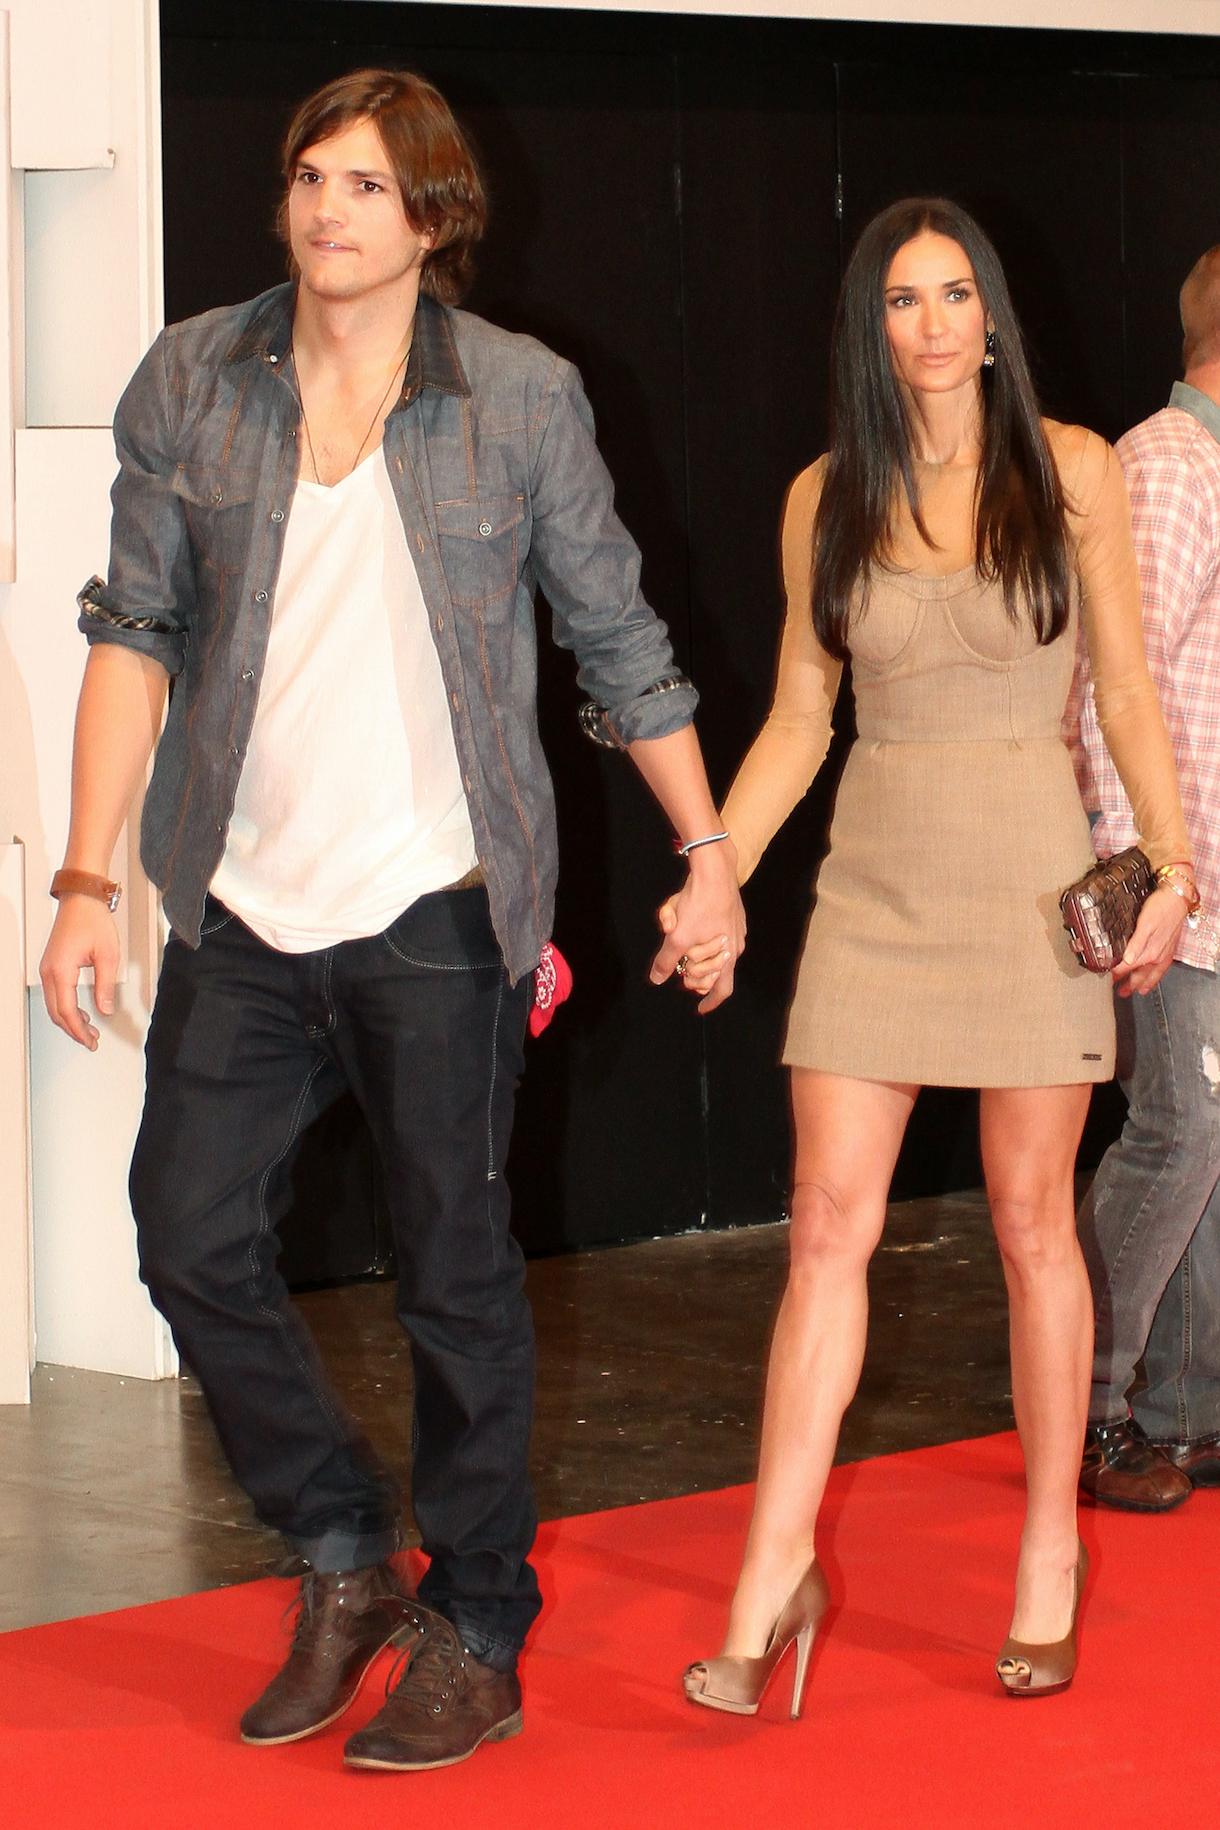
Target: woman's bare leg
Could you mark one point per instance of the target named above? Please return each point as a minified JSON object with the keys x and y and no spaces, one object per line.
{"x":848,"y":1134}
{"x":1029,"y":1139}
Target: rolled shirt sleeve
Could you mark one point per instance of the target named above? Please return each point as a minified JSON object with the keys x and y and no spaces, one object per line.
{"x":589,"y":567}
{"x":147,"y":600}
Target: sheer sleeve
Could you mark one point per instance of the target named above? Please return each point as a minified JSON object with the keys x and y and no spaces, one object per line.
{"x":791,"y":747}
{"x":1128,"y":710}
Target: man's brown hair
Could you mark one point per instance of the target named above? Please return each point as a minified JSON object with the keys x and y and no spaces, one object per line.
{"x":432,"y":163}
{"x":1200,"y":307}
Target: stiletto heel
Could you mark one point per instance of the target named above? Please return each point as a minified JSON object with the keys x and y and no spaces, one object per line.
{"x":804,"y":1651}
{"x":1040,"y":1670}
{"x":738,"y":1685}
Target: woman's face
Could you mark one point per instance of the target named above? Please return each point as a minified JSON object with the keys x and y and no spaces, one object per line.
{"x":934,"y":318}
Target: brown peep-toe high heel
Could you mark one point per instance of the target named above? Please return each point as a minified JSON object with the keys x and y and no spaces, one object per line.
{"x":739,"y":1684}
{"x":1040,"y":1671}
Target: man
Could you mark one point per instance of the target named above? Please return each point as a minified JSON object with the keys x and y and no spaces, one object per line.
{"x":332,"y":508}
{"x":1150,"y":1226}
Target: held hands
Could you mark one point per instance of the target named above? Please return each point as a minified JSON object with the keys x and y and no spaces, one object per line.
{"x":1151,"y":948}
{"x":708,"y":904}
{"x":84,"y":935}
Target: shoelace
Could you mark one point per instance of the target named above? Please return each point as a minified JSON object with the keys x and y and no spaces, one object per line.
{"x":307,"y":1612}
{"x":440,"y":1657}
{"x":308,"y":1633}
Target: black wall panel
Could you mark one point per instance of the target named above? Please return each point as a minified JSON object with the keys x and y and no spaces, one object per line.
{"x":760,"y":266}
{"x":672,"y":200}
{"x":583,"y":251}
{"x":1171,"y":214}
{"x":1037,"y":157}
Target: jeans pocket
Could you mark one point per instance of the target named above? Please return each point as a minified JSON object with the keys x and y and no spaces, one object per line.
{"x":447,"y":931}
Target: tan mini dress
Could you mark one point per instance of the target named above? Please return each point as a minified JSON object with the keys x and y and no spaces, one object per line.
{"x":936,"y":953}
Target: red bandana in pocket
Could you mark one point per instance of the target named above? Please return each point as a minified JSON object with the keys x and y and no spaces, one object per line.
{"x":552,"y":986}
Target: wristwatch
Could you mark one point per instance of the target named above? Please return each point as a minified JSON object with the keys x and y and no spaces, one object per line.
{"x":84,"y":883}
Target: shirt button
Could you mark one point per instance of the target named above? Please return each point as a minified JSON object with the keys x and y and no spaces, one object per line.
{"x":216,"y":496}
{"x":292,"y":432}
{"x":273,"y":360}
{"x":440,"y":622}
{"x":220,"y":825}
{"x":485,"y":528}
{"x":247,"y":673}
{"x":232,"y":750}
{"x":277,"y":514}
{"x":260,"y":597}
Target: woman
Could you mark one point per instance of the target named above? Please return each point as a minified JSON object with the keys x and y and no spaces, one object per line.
{"x":947,"y":543}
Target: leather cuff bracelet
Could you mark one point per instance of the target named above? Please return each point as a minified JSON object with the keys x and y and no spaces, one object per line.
{"x":84,"y":883}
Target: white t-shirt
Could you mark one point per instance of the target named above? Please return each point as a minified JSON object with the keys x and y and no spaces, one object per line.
{"x":350,"y":804}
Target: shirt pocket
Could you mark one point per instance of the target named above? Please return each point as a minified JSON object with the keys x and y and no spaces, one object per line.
{"x":218,"y":501}
{"x":481,"y":549}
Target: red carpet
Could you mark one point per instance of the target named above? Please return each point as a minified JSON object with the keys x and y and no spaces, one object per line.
{"x":128,"y":1719}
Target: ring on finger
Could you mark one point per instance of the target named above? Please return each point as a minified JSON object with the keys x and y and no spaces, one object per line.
{"x":683,"y":964}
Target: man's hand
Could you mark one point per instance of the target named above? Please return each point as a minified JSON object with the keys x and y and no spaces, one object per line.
{"x":704,"y":926}
{"x":84,"y":935}
{"x":1151,"y":948}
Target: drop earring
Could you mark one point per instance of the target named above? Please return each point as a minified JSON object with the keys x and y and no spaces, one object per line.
{"x":989,"y":351}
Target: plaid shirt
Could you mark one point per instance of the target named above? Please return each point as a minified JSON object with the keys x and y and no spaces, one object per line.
{"x":1172,"y":466}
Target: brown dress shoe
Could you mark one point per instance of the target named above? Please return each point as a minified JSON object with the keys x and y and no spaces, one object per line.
{"x":443,"y":1706}
{"x":1198,"y":1461}
{"x":1122,"y":1468}
{"x":343,"y":1622}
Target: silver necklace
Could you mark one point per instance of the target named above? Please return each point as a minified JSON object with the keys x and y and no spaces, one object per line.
{"x":377,"y":412}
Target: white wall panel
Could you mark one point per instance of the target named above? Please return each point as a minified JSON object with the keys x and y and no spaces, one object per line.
{"x":63,"y":534}
{"x":10,"y":322}
{"x":61,"y":84}
{"x":91,"y":250}
{"x":90,"y":1306}
{"x":1176,"y":16}
{"x":16,"y":1215}
{"x":91,"y":1309}
{"x":93,"y":280}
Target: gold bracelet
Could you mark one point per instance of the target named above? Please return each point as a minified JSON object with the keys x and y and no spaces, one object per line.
{"x":1165,"y":874}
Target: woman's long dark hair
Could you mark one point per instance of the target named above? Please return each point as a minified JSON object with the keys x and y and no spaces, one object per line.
{"x":1020,"y":526}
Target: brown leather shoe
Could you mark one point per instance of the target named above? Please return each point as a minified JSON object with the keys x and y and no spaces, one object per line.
{"x":443,"y":1706}
{"x":1198,"y":1461}
{"x":1122,"y":1468}
{"x":343,"y":1622}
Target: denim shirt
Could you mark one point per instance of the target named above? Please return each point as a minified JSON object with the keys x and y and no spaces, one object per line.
{"x":491,"y":455}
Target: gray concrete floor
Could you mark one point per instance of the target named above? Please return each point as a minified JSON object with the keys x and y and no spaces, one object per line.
{"x":650,"y":1362}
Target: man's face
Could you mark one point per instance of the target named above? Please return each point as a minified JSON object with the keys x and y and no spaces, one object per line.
{"x":346,"y":223}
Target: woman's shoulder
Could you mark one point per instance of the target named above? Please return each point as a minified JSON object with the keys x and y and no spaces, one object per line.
{"x":1082,"y":458}
{"x":804,"y":492}
{"x":796,"y":532}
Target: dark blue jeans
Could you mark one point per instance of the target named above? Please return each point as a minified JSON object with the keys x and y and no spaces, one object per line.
{"x":246,"y":1046}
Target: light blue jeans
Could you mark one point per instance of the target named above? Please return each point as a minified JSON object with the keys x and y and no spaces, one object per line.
{"x":1150,"y":1225}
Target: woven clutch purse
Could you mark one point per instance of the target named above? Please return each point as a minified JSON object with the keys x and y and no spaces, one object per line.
{"x":1101,"y":910}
